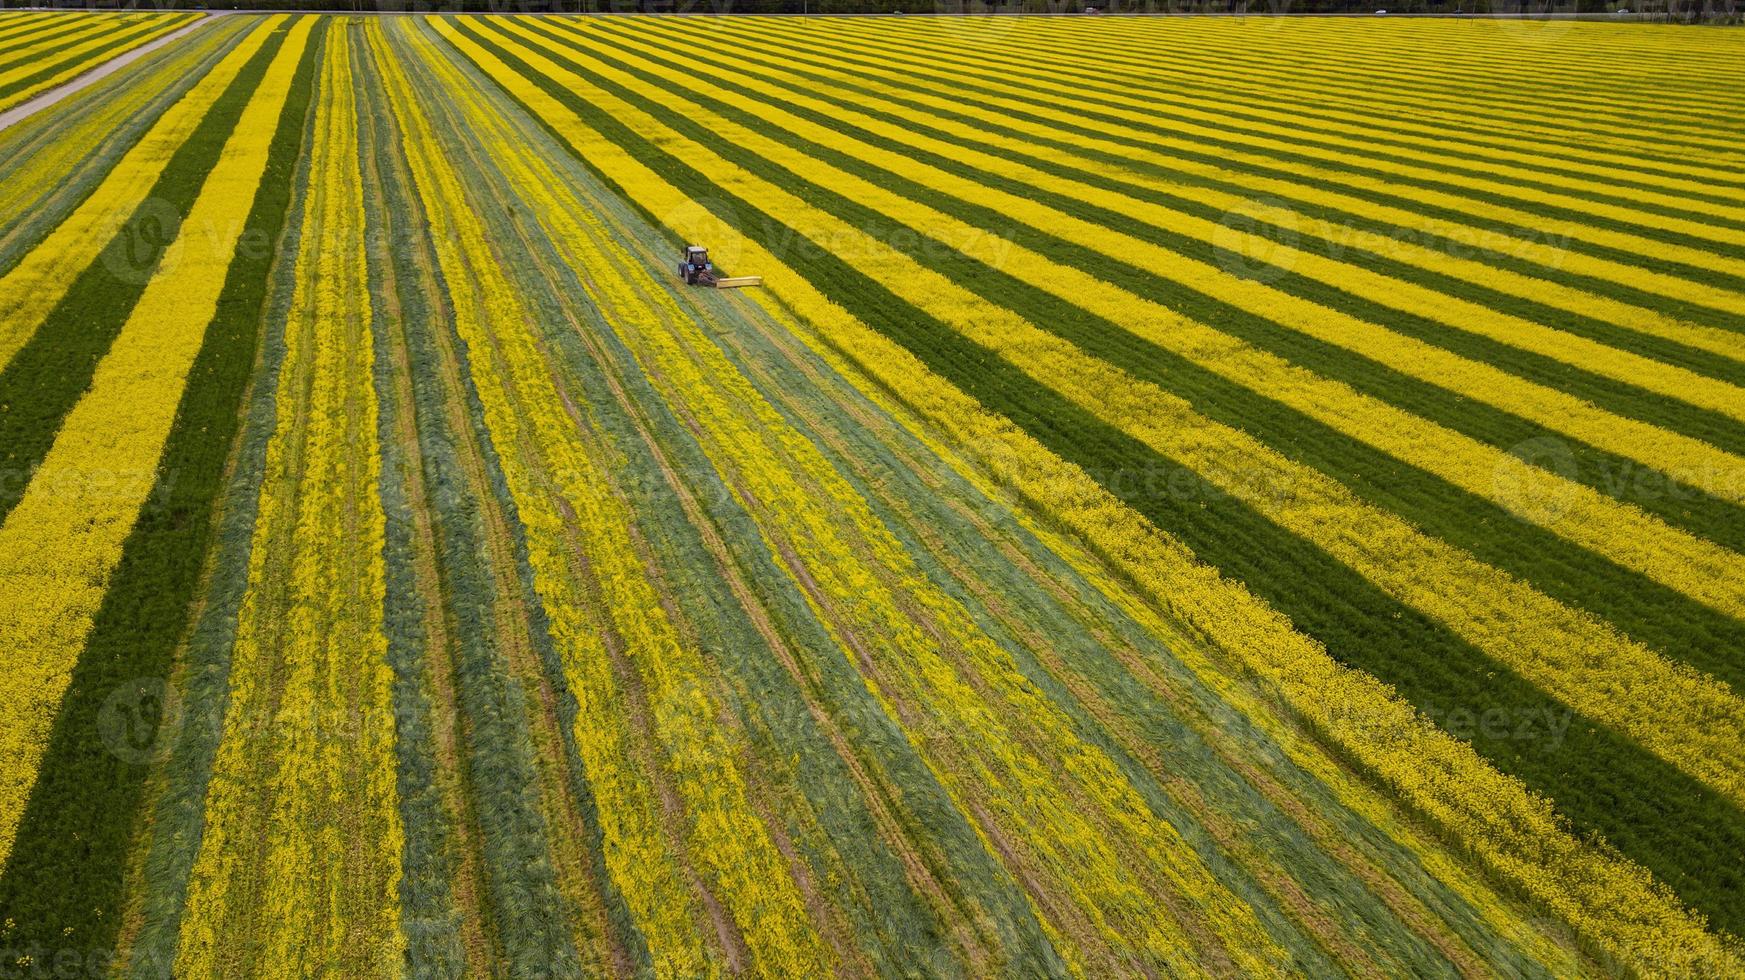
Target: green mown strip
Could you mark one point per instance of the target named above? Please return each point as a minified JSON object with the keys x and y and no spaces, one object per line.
{"x":429,"y":918}
{"x":1625,"y":479}
{"x":838,"y":837}
{"x":887,"y":474}
{"x":888,"y":479}
{"x":63,"y":883}
{"x":835,"y":831}
{"x":15,"y":25}
{"x":177,"y":794}
{"x":1377,"y":125}
{"x":51,"y":371}
{"x":93,"y":57}
{"x":934,"y":533}
{"x":528,"y":914}
{"x":1312,"y":235}
{"x":625,"y":937}
{"x":1650,"y":612}
{"x":626,"y":934}
{"x":1007,"y":89}
{"x":1674,"y":826}
{"x":166,"y":74}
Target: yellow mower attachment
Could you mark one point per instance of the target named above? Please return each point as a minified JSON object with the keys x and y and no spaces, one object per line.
{"x":734,"y":282}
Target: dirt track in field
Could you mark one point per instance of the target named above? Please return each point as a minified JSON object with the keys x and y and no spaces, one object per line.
{"x":25,"y":110}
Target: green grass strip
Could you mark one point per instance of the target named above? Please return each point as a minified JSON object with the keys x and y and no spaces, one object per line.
{"x":1602,"y":781}
{"x":77,"y":32}
{"x":1676,"y":503}
{"x":14,"y":26}
{"x":429,"y":918}
{"x":894,"y":924}
{"x":888,"y":472}
{"x":1380,"y":127}
{"x":171,"y":838}
{"x":914,"y":513}
{"x":839,"y":836}
{"x":1400,"y":90}
{"x":63,"y":884}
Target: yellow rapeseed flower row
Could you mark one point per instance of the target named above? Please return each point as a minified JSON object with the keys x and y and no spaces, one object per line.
{"x":644,"y":691}
{"x":836,"y":542}
{"x":27,"y":46}
{"x":1396,"y":431}
{"x":1612,"y":903}
{"x":1554,"y":646}
{"x":299,"y":866}
{"x":1356,"y":143}
{"x":136,"y":32}
{"x":1504,"y":174}
{"x":62,"y":540}
{"x":1416,"y":359}
{"x":22,"y":54}
{"x":1501,"y":915}
{"x":57,"y":153}
{"x":1282,"y":203}
{"x":1394,"y":65}
{"x":653,"y":885}
{"x":1618,"y":531}
{"x":1211,"y":133}
{"x":1268,"y":199}
{"x":17,"y":29}
{"x":30,"y":290}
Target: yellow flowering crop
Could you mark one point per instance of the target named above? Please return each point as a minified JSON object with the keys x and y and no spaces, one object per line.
{"x":1176,"y":497}
{"x":1514,"y":831}
{"x":29,"y":290}
{"x":305,"y":771}
{"x":63,"y":539}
